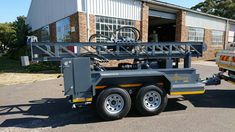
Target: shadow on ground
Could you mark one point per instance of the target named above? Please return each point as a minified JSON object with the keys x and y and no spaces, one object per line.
{"x":58,"y":112}
{"x":214,"y":99}
{"x":46,"y":113}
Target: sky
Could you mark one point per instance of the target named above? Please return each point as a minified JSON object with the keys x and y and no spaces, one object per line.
{"x":184,"y":3}
{"x":10,"y":9}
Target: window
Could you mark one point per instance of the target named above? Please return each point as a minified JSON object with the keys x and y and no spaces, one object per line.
{"x":106,"y":26}
{"x":45,"y":34}
{"x":217,"y":37}
{"x":63,"y":30}
{"x":231,"y":37}
{"x":196,"y":34}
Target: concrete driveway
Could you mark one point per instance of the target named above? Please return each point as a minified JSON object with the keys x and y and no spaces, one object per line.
{"x":41,"y":106}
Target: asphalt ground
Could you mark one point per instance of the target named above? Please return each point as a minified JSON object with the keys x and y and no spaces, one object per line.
{"x":41,"y":106}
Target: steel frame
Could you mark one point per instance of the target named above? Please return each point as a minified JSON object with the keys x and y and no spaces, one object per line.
{"x":118,"y":51}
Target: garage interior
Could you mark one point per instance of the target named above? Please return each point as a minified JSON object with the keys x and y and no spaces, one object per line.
{"x":162,"y":26}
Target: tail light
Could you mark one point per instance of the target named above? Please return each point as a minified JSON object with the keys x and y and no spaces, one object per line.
{"x":234,"y":59}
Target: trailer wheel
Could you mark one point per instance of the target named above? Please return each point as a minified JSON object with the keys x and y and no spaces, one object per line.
{"x":151,"y":100}
{"x":113,"y":104}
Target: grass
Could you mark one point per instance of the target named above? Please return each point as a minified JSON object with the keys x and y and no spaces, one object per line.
{"x":11,"y":72}
{"x":9,"y":65}
{"x":13,"y":66}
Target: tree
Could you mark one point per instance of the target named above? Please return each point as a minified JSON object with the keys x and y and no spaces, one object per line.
{"x":22,"y":30}
{"x":7,"y":37}
{"x":223,"y":8}
{"x":13,"y":37}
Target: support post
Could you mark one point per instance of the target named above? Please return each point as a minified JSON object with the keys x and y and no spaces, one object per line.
{"x":187,"y":60}
{"x":169,"y":63}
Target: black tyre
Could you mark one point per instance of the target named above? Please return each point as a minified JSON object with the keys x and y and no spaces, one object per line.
{"x":151,"y":100}
{"x":113,"y":104}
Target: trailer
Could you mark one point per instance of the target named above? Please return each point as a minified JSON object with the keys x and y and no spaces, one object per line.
{"x":152,"y":73}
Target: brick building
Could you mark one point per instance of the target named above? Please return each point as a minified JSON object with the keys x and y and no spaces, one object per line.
{"x":77,"y":20}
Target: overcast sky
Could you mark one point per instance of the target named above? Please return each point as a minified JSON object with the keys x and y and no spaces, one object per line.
{"x":10,"y":9}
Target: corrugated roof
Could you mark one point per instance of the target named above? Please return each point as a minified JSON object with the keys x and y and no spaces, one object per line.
{"x":184,"y":8}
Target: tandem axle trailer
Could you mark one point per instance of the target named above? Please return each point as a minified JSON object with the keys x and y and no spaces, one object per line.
{"x":152,"y":74}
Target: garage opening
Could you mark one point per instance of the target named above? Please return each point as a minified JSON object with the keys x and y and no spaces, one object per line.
{"x":162,"y":27}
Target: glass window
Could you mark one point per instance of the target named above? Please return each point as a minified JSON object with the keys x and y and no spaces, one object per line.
{"x":106,"y":26}
{"x":217,"y":37}
{"x":196,"y":34}
{"x":63,"y":30}
{"x":45,"y":34}
{"x":231,"y":37}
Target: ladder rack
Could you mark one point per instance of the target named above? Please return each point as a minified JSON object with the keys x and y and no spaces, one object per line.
{"x":115,"y":51}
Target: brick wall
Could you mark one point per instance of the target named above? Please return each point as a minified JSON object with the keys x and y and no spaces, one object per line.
{"x":82,"y":27}
{"x":182,"y":36}
{"x":92,"y":29}
{"x":144,"y":22}
{"x":209,"y":54}
{"x":74,"y":28}
{"x":181,"y":29}
{"x":52,"y":32}
{"x":79,"y":22}
{"x":137,"y":25}
{"x":211,"y":49}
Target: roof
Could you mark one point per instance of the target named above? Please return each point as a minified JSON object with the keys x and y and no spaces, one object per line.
{"x":184,"y":8}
